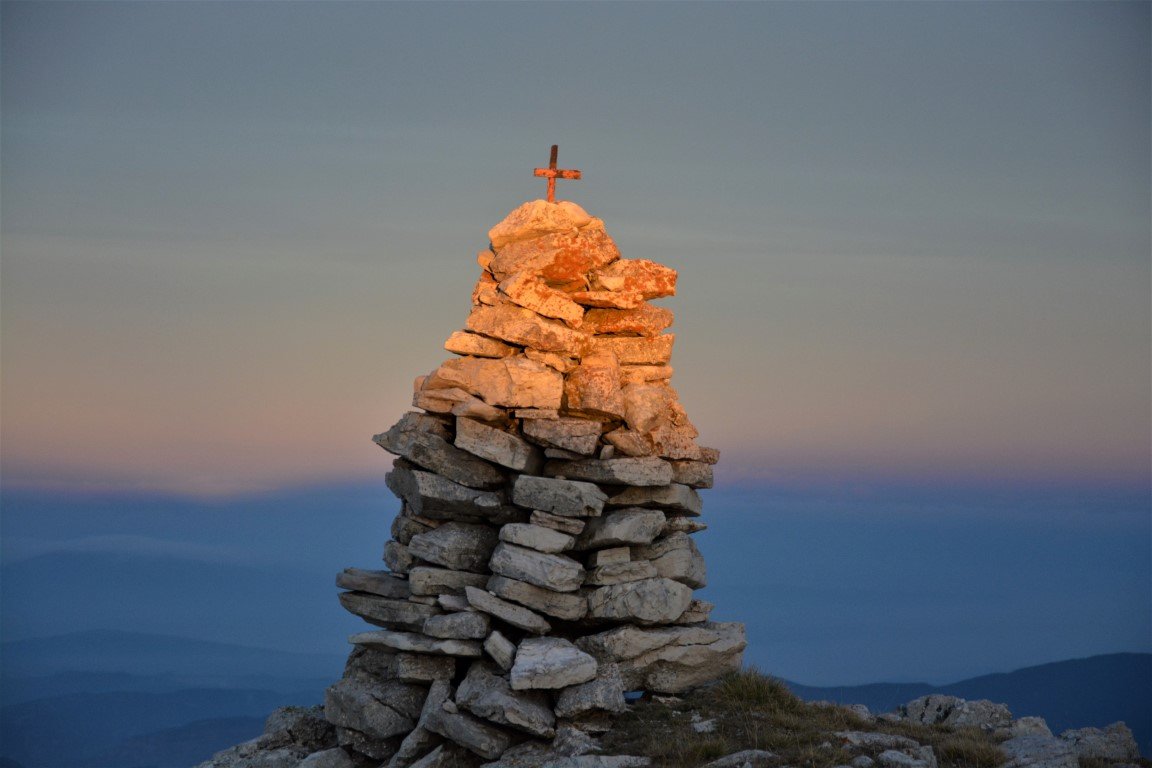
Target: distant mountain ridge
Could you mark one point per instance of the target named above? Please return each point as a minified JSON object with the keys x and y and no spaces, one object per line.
{"x":1076,"y":693}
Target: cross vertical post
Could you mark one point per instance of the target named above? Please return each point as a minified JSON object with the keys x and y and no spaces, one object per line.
{"x":552,"y":173}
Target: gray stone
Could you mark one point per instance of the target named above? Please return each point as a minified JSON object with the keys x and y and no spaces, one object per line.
{"x":423,"y":667}
{"x":434,"y":453}
{"x":470,"y":733}
{"x":695,"y":474}
{"x":405,"y":527}
{"x":870,"y":740}
{"x":1114,"y":742}
{"x":579,"y":436}
{"x":648,"y":601}
{"x":569,"y":525}
{"x":1038,"y":751}
{"x":605,"y":692}
{"x":425,"y":580}
{"x":627,"y":471}
{"x":862,"y":761}
{"x":448,"y":755}
{"x":620,"y":573}
{"x":630,"y":526}
{"x":550,"y":663}
{"x":419,"y":740}
{"x":681,"y":524}
{"x":538,"y":537}
{"x":465,"y":625}
{"x":380,"y":711}
{"x":567,"y":498}
{"x":569,"y":606}
{"x":748,"y":758}
{"x":454,"y":603}
{"x":676,"y":557}
{"x":386,"y":612}
{"x":382,"y":583}
{"x":487,"y":694}
{"x":329,"y":758}
{"x":497,"y":446}
{"x":430,"y":495}
{"x":416,"y":643}
{"x":456,"y":546}
{"x":507,"y":612}
{"x":669,"y":659}
{"x":1029,"y":726}
{"x":397,"y":557}
{"x":699,"y":611}
{"x":674,"y":498}
{"x":501,"y":649}
{"x":891,"y":758}
{"x":611,"y":556}
{"x":555,"y":572}
{"x":455,"y":401}
{"x":957,"y":713}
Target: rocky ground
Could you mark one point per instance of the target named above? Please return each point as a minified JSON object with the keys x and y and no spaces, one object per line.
{"x":746,"y":720}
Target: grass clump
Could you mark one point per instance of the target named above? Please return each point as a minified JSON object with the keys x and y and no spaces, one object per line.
{"x":750,"y":710}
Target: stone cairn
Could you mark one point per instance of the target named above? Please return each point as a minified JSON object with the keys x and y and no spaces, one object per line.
{"x":542,"y":563}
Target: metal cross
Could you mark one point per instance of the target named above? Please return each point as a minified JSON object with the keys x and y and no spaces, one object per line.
{"x":552,"y":173}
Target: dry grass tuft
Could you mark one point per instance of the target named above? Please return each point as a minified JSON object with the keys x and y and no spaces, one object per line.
{"x":755,"y":711}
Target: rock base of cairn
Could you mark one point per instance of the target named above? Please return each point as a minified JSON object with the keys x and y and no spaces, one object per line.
{"x":542,"y":564}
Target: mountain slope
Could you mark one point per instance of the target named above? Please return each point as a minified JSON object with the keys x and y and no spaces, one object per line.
{"x":1076,"y":693}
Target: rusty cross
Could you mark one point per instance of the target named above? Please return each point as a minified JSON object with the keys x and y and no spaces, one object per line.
{"x":552,"y":173}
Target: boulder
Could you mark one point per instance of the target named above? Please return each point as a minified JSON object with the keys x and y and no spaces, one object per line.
{"x":550,"y":663}
{"x":955,"y":712}
{"x":1115,"y":743}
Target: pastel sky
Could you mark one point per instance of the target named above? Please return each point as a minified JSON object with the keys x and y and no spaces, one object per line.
{"x":914,"y":251}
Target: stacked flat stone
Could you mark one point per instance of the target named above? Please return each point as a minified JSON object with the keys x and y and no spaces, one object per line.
{"x":542,"y":563}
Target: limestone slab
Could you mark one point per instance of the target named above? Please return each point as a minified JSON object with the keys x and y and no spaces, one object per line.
{"x":510,"y":382}
{"x":497,"y":446}
{"x":386,"y":611}
{"x":625,"y":471}
{"x":416,"y":643}
{"x":430,"y":495}
{"x":500,"y":649}
{"x":456,"y":546}
{"x":550,"y":663}
{"x":561,"y":259}
{"x":608,"y":299}
{"x":594,"y":387}
{"x":570,"y":606}
{"x":537,"y":537}
{"x":536,"y":218}
{"x":610,"y":556}
{"x":476,"y":345}
{"x":628,"y":526}
{"x":424,"y":667}
{"x":569,"y":525}
{"x":555,"y":572}
{"x":644,"y":320}
{"x":397,"y":558}
{"x":529,"y":290}
{"x":523,"y":327}
{"x":694,"y":474}
{"x":673,"y":498}
{"x":636,"y":350}
{"x":629,"y":442}
{"x":649,"y":279}
{"x":455,"y":401}
{"x":426,"y":580}
{"x":462,"y":625}
{"x":486,"y":693}
{"x":580,"y":436}
{"x":383,"y":583}
{"x":620,"y":573}
{"x":467,"y":731}
{"x":355,"y":705}
{"x":604,"y":693}
{"x":510,"y":613}
{"x":676,"y":557}
{"x":566,"y":498}
{"x":648,"y":601}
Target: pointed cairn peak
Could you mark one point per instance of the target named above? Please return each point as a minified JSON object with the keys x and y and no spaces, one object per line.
{"x":542,"y":562}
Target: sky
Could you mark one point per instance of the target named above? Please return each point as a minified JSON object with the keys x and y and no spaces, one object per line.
{"x":913,"y":242}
